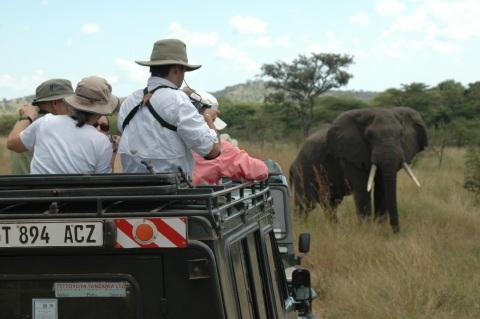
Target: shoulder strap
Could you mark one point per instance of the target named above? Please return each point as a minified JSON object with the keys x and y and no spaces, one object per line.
{"x":146,"y":101}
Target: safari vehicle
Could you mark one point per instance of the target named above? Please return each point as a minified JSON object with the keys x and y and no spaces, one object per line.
{"x":282,"y":223}
{"x":142,"y":246}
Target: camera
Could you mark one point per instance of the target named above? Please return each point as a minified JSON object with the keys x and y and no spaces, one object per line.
{"x":199,"y":105}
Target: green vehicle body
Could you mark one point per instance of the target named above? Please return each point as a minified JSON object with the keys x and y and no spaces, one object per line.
{"x":229,"y":266}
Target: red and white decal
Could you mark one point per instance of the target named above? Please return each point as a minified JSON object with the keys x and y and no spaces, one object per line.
{"x":155,"y":232}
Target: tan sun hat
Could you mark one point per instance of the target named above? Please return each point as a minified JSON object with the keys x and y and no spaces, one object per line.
{"x":211,"y":101}
{"x":52,"y":90}
{"x":168,"y":52}
{"x":94,"y":95}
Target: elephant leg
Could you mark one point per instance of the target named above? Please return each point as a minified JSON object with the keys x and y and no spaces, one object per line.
{"x":332,"y":208}
{"x":357,"y":179}
{"x":379,"y":198}
{"x":363,"y":203}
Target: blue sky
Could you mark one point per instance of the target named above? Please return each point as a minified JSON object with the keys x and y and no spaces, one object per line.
{"x":392,"y":41}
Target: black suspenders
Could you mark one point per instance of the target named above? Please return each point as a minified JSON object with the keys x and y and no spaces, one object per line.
{"x":146,"y":101}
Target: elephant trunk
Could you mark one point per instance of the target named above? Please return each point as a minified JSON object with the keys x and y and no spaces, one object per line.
{"x":389,"y":174}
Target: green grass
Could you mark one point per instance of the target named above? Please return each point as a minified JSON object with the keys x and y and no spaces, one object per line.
{"x":362,"y":270}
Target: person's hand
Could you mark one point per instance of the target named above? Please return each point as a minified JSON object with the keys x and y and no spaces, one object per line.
{"x":29,"y":110}
{"x":210,"y":115}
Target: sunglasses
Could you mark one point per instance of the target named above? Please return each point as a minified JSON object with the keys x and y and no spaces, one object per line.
{"x":103,"y":126}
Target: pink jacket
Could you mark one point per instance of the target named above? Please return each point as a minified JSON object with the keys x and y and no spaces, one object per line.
{"x":232,"y":162}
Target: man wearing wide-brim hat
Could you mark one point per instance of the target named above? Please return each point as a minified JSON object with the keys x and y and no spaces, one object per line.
{"x":48,"y":99}
{"x":70,"y":144}
{"x":160,"y":126}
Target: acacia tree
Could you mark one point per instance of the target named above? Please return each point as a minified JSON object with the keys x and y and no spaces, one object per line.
{"x":297,"y":84}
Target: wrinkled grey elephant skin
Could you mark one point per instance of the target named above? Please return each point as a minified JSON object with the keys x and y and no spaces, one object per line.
{"x":336,"y":161}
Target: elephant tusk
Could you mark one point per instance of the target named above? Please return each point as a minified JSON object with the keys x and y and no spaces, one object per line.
{"x":410,"y":173}
{"x":371,"y":177}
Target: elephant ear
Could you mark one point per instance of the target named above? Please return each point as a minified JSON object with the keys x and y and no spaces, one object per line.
{"x":346,"y":138}
{"x":414,"y":137}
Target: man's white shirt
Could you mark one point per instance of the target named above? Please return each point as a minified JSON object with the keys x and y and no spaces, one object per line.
{"x":145,"y":139}
{"x":60,"y":147}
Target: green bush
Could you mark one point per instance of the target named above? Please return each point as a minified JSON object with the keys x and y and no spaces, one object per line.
{"x":112,"y":121}
{"x":7,"y":121}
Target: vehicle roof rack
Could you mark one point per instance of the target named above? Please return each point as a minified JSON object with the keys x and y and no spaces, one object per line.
{"x":80,"y":196}
{"x":8,"y":182}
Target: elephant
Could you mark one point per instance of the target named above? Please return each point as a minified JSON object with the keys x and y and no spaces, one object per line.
{"x":362,"y":150}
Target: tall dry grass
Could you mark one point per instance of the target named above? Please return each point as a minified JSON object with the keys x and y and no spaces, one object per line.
{"x":429,"y":270}
{"x":4,"y":156}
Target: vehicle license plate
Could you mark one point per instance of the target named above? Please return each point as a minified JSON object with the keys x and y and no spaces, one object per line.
{"x":51,"y":234}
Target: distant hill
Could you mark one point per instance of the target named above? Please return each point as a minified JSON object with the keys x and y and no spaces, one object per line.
{"x":9,"y":106}
{"x":255,"y":91}
{"x":251,"y":91}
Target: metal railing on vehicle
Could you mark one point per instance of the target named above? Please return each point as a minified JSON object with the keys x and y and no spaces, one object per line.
{"x":115,"y":195}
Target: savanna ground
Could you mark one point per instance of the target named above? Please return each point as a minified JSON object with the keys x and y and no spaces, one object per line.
{"x":431,"y":269}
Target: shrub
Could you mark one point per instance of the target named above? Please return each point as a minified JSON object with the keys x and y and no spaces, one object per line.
{"x":7,"y":121}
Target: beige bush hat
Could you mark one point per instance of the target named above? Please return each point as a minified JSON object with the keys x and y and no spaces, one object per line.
{"x":94,"y":95}
{"x":208,"y":99}
{"x":52,"y":90}
{"x":168,"y":52}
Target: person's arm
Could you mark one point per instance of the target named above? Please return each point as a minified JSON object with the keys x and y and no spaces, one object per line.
{"x":209,"y":115}
{"x":195,"y":130}
{"x":237,"y":164}
{"x":28,"y":113}
{"x":115,"y":139}
{"x":105,"y":159}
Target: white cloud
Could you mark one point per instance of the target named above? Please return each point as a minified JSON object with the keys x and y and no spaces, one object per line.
{"x":193,"y":38}
{"x":330,"y":35}
{"x":112,"y":79}
{"x":245,"y":24}
{"x":134,"y":71}
{"x":21,"y":85}
{"x":415,"y":22}
{"x":331,"y":46}
{"x":389,"y":8}
{"x":268,"y":42}
{"x":444,"y":46}
{"x":230,"y":53}
{"x":444,"y":26}
{"x":90,"y":28}
{"x":360,"y":19}
{"x":397,"y":48}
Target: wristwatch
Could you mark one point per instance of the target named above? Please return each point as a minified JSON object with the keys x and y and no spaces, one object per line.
{"x":26,"y":118}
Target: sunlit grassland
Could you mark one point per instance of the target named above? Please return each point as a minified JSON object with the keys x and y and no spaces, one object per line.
{"x":431,"y":269}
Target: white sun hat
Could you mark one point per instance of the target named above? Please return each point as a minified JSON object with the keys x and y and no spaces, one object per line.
{"x":208,"y":99}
